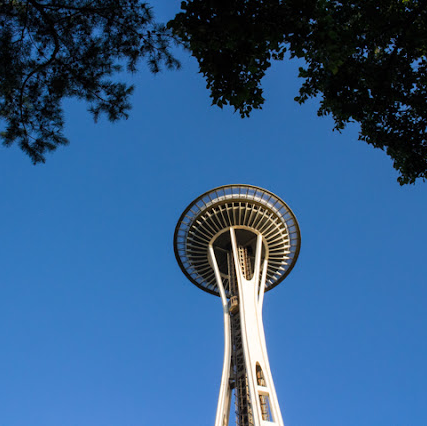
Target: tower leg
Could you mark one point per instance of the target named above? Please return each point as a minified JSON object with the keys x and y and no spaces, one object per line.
{"x":246,"y":367}
{"x":224,"y":400}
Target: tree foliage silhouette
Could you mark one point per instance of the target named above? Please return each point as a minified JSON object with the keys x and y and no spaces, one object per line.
{"x":365,"y":61}
{"x":56,"y":49}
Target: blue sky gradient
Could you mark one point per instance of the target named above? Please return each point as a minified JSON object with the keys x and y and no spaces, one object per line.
{"x":99,"y":326}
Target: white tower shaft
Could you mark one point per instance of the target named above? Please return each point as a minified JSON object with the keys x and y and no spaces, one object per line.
{"x":246,"y":367}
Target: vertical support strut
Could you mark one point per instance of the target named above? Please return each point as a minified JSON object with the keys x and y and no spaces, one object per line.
{"x":224,"y":399}
{"x":246,"y":369}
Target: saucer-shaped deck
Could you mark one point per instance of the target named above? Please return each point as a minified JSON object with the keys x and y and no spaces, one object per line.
{"x":251,"y":211}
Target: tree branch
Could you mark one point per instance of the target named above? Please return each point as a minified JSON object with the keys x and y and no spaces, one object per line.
{"x":44,"y":64}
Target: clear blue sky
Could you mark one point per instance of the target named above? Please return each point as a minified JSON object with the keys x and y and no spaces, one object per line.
{"x":98,"y":326}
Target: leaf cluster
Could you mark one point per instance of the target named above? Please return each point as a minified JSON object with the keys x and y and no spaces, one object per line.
{"x":234,"y":42}
{"x":56,"y":49}
{"x":365,"y":60}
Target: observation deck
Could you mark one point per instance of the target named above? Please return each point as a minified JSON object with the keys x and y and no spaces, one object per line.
{"x":251,"y":211}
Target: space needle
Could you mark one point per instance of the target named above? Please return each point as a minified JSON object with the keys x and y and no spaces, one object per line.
{"x":237,"y":242}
